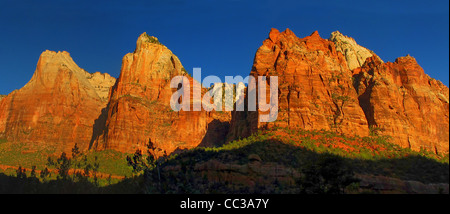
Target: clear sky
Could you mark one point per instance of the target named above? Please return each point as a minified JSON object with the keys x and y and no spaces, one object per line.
{"x":221,"y":37}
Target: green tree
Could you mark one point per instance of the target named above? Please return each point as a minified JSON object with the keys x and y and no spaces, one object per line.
{"x":21,"y":173}
{"x":75,"y":151}
{"x":33,"y":172}
{"x":45,"y":174}
{"x":95,"y":167}
{"x":63,"y":165}
{"x":148,"y":164}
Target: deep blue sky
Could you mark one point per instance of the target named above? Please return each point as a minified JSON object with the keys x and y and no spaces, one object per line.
{"x":221,"y":37}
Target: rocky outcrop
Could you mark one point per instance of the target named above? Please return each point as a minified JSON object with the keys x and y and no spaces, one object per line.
{"x":324,"y":84}
{"x":57,"y":106}
{"x":388,"y":185}
{"x":139,"y":105}
{"x":315,"y":89}
{"x":355,"y":55}
{"x":102,"y":83}
{"x":321,"y":85}
{"x":254,"y":172}
{"x":259,"y":173}
{"x":401,"y":101}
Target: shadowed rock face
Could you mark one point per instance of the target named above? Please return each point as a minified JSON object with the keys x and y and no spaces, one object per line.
{"x":401,"y":101}
{"x":387,"y":185}
{"x":319,"y":90}
{"x":139,"y":105}
{"x":57,"y":106}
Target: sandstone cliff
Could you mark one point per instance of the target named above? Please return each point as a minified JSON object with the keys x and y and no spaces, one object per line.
{"x":314,"y":84}
{"x":321,"y":85}
{"x":139,"y":106}
{"x":332,"y":84}
{"x":401,"y":101}
{"x":57,"y":106}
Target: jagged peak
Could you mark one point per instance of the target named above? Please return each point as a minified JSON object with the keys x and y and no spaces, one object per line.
{"x":49,"y":61}
{"x":409,"y":56}
{"x":56,"y":57}
{"x":336,"y":33}
{"x":59,"y":58}
{"x":406,"y":59}
{"x":289,"y":32}
{"x":338,"y":36}
{"x":50,"y":66}
{"x":145,"y":39}
{"x":273,"y":34}
{"x":354,"y":53}
{"x":53,"y":53}
{"x":153,"y":61}
{"x":315,"y":34}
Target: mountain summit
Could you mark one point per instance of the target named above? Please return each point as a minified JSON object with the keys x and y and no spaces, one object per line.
{"x":139,"y":105}
{"x":335,"y":84}
{"x":323,"y":84}
{"x":57,"y":106}
{"x":355,"y":54}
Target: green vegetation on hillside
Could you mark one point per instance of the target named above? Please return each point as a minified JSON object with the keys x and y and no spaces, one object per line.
{"x":27,"y":156}
{"x":311,"y":153}
{"x":319,"y":162}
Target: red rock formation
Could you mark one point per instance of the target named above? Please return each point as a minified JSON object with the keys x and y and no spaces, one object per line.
{"x":314,"y":82}
{"x":64,"y":104}
{"x":317,"y":90}
{"x":401,"y":101}
{"x":57,"y":106}
{"x":139,"y":105}
{"x":254,"y":172}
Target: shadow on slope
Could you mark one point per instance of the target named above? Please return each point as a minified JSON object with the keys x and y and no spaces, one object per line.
{"x":257,"y":165}
{"x":260,"y":165}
